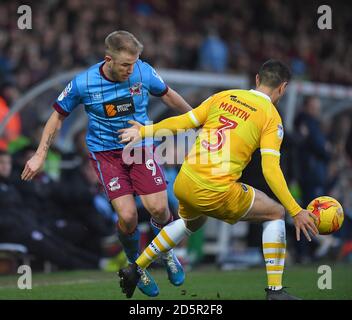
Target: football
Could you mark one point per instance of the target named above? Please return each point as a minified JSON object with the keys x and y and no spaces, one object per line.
{"x":329,"y":213}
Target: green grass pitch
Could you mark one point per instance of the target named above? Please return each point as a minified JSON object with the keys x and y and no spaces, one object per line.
{"x":202,"y":283}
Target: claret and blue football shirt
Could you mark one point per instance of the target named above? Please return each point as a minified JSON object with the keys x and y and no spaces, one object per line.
{"x":110,"y":104}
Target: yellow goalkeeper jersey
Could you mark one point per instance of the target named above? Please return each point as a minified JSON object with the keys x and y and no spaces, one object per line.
{"x":234,"y":123}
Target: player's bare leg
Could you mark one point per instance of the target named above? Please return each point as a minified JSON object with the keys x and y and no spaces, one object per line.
{"x":129,"y":237}
{"x":167,"y":239}
{"x":157,"y":205}
{"x":272,"y":214}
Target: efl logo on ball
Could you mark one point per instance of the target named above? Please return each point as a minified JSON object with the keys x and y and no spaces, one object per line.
{"x":329,"y":214}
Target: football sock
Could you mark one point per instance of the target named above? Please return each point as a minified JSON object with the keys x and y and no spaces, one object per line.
{"x":168,"y":238}
{"x":130,"y":243}
{"x":156,"y":226}
{"x":274,"y":250}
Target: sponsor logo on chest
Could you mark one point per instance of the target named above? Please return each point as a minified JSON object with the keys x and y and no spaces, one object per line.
{"x":119,"y":108}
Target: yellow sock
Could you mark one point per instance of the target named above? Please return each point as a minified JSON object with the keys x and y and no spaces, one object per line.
{"x":167,"y":239}
{"x":274,"y":256}
{"x":274,"y":250}
{"x":161,"y":243}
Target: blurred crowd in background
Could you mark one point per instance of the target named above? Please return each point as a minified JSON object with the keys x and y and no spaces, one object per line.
{"x":64,"y":210}
{"x":215,"y":35}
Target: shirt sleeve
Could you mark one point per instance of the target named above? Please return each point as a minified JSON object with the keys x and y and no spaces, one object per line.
{"x":200,"y":114}
{"x":270,"y":144}
{"x":192,"y":119}
{"x":157,"y":86}
{"x":68,"y":99}
{"x":277,"y":183}
{"x":272,"y":136}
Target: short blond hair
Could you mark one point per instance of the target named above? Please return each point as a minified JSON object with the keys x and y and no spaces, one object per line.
{"x":121,"y":40}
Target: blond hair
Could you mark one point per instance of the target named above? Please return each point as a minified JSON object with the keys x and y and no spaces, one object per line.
{"x":121,"y":40}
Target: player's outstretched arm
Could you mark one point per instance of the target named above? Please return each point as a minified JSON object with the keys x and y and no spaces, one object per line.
{"x":175,"y":101}
{"x":277,"y":183}
{"x":35,"y":164}
{"x":168,"y":126}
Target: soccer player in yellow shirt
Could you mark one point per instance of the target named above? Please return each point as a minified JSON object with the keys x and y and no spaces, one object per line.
{"x":234,"y":123}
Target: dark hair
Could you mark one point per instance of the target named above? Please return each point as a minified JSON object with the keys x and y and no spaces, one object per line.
{"x":273,"y":73}
{"x":121,"y":40}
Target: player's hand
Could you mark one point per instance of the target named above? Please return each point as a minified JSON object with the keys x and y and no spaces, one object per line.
{"x":304,"y":221}
{"x":32,"y":167}
{"x":130,"y":135}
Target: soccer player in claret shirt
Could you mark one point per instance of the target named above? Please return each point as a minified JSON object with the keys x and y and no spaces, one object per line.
{"x":113,"y":92}
{"x":234,"y":124}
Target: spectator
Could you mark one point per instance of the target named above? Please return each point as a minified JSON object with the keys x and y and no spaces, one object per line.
{"x":313,"y":158}
{"x":213,"y":54}
{"x":63,"y":36}
{"x":93,"y":219}
{"x":13,"y":127}
{"x":313,"y":151}
{"x":18,"y":224}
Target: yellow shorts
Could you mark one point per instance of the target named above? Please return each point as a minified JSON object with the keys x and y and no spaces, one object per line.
{"x":195,"y":201}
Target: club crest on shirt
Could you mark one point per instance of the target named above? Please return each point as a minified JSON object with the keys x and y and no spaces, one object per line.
{"x":136,"y":89}
{"x":114,"y":184}
{"x":158,"y":181}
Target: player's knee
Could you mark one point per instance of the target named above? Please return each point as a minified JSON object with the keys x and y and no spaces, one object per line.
{"x":279,"y":213}
{"x":128,"y":221}
{"x":159,"y":212}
